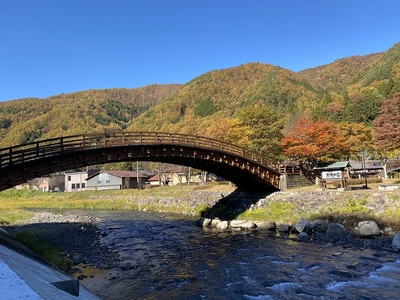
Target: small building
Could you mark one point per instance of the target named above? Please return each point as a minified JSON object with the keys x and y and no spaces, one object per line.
{"x":115,"y":180}
{"x":52,"y":183}
{"x":23,"y":186}
{"x":43,"y":184}
{"x":369,"y":168}
{"x":337,"y":172}
{"x":175,"y":177}
{"x":76,"y":181}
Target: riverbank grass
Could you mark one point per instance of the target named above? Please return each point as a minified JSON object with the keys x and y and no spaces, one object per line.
{"x":280,"y":211}
{"x":15,"y":204}
{"x":50,"y":253}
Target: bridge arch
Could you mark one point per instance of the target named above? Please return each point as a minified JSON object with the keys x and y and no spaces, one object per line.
{"x":247,"y":169}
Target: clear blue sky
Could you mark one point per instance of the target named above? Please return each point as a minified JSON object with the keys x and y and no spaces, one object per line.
{"x":49,"y":47}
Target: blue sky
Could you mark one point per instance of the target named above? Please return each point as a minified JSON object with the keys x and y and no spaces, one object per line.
{"x":49,"y":47}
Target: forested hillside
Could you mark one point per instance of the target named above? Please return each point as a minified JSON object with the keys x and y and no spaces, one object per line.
{"x":253,"y":105}
{"x":26,"y":120}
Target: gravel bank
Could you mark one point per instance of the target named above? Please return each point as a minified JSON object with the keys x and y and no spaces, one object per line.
{"x":78,"y":236}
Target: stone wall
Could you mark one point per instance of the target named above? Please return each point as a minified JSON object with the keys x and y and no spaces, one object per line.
{"x":297,"y":181}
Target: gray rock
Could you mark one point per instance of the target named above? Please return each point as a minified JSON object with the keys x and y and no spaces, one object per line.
{"x":396,"y":241}
{"x":302,"y":236}
{"x":242,"y":224}
{"x":204,"y":222}
{"x":319,"y":225}
{"x":265,"y":225}
{"x":222,"y":225}
{"x":368,"y":228}
{"x":215,"y":222}
{"x":336,"y":229}
{"x":302,"y":225}
{"x":283,"y":227}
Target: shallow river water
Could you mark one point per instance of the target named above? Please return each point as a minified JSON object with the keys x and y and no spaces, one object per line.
{"x":165,"y":256}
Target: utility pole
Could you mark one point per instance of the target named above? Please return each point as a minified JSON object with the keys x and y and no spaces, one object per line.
{"x":137,"y":174}
{"x":364,"y":169}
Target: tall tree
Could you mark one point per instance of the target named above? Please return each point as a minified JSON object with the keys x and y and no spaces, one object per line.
{"x":314,"y":142}
{"x":359,"y":136}
{"x":387,"y":127}
{"x":231,"y":131}
{"x":266,"y":129}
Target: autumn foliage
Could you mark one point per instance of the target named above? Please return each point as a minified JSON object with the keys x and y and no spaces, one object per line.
{"x":387,"y":126}
{"x":314,"y":142}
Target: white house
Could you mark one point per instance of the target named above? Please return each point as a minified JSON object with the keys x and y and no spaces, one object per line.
{"x":113,"y":180}
{"x":76,"y":181}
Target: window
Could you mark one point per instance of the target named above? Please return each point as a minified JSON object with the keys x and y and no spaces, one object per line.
{"x":98,"y":181}
{"x":73,"y":186}
{"x":83,"y":185}
{"x":78,"y":185}
{"x":69,"y":178}
{"x":108,"y":181}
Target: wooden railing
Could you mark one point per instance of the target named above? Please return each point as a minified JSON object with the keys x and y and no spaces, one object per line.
{"x":56,"y":146}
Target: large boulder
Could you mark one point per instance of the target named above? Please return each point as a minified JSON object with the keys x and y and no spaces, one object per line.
{"x":302,"y":236}
{"x":368,"y":228}
{"x":396,"y":241}
{"x":215,"y":222}
{"x":283,"y":227}
{"x":242,"y":224}
{"x":266,"y":225}
{"x":204,"y":222}
{"x":336,"y":229}
{"x":302,"y":225}
{"x":319,"y":225}
{"x":222,"y":225}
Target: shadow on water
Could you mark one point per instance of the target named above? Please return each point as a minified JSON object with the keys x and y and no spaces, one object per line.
{"x":232,"y":205}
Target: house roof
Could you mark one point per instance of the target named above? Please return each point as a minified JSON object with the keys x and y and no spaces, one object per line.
{"x":336,"y":165}
{"x":369,"y":165}
{"x":356,"y":165}
{"x":154,"y":178}
{"x":120,"y":174}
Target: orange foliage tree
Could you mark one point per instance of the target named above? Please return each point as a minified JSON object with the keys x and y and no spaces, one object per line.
{"x":359,"y":136}
{"x":314,"y":142}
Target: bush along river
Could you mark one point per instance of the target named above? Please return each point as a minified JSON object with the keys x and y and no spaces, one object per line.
{"x":142,"y":255}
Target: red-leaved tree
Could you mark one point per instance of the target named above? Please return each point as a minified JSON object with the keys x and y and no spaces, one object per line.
{"x":314,"y":142}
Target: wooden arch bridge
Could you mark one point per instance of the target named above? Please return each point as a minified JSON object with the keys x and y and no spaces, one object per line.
{"x":247,"y":169}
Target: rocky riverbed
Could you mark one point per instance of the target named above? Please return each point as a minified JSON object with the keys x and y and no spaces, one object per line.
{"x":80,"y":239}
{"x":77,"y":235}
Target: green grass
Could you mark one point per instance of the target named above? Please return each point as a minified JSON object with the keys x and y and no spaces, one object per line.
{"x":48,"y":252}
{"x":14,"y":204}
{"x":277,"y":211}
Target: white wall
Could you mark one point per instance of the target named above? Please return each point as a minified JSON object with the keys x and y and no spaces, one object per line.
{"x":104,"y":181}
{"x":75,"y":181}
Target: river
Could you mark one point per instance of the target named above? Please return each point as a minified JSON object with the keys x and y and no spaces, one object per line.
{"x":165,"y":256}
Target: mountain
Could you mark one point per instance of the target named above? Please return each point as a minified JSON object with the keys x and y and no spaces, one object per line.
{"x":339,"y":74}
{"x":26,"y":120}
{"x":224,"y":93}
{"x":350,"y":89}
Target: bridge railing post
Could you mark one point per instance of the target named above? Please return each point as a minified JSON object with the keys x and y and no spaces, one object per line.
{"x":37,"y":149}
{"x":10,"y":153}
